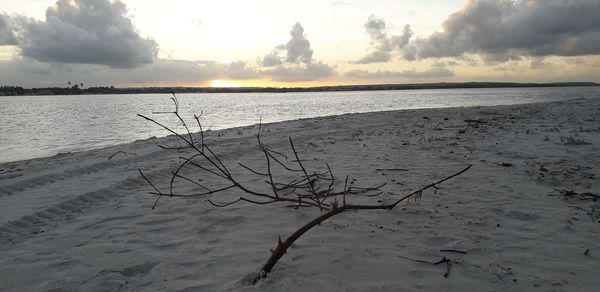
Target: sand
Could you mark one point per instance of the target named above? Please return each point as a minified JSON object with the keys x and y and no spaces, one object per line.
{"x":83,"y":222}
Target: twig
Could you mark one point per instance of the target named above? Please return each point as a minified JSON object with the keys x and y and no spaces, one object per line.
{"x":448,"y":263}
{"x":111,"y":157}
{"x":453,"y":250}
{"x":252,"y":170}
{"x":160,"y":194}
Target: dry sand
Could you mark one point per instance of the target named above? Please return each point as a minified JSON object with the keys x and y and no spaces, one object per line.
{"x":83,"y":222}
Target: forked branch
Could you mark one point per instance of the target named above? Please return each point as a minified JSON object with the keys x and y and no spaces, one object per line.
{"x":306,"y":187}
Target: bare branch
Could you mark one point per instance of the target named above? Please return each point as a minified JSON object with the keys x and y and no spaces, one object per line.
{"x":282,"y":247}
{"x":305,"y":188}
{"x":252,"y":170}
{"x":302,"y":167}
{"x":160,"y":194}
{"x":419,"y":191}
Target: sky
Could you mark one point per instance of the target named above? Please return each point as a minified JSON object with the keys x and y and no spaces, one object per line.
{"x":140,"y":43}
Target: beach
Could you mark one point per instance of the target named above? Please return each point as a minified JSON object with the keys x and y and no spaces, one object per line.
{"x":524,"y":217}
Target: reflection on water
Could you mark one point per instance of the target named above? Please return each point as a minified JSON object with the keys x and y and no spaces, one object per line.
{"x":37,"y":126}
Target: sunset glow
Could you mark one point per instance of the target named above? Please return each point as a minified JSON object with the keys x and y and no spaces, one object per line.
{"x":151,"y":145}
{"x":221,"y":83}
{"x":292,"y":44}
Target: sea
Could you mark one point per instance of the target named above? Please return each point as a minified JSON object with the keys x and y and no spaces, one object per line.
{"x":40,"y":126}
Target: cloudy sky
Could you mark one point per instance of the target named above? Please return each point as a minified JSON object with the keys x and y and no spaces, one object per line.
{"x":296,"y":43}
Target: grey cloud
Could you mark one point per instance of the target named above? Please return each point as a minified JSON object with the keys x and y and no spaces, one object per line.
{"x":436,"y":71}
{"x":31,"y":73}
{"x":7,"y":36}
{"x":296,"y":50}
{"x":399,"y":41}
{"x":175,"y":71}
{"x":538,"y":63}
{"x":383,"y":46}
{"x":375,"y":27}
{"x":85,"y":32}
{"x":378,"y":56}
{"x":273,"y":58}
{"x":240,"y":70}
{"x":506,"y":30}
{"x":293,"y":61}
{"x":302,"y":72}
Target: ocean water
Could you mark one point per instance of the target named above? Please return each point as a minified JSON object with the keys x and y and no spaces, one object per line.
{"x":39,"y":126}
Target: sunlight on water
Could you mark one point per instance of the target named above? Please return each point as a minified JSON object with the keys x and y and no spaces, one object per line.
{"x":38,"y":126}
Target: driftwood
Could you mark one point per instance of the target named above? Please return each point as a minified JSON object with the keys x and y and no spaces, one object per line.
{"x":306,"y":189}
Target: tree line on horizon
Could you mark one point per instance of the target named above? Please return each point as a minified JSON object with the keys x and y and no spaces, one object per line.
{"x":6,"y":90}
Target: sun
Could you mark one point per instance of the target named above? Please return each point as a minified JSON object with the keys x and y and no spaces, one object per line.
{"x":221,"y":83}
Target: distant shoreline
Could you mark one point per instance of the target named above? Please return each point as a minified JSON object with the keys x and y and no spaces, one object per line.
{"x":76,"y":90}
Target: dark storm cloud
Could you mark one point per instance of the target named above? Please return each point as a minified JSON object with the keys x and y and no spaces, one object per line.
{"x":505,"y":30}
{"x":383,"y":46}
{"x":7,"y":36}
{"x":293,"y":61}
{"x":85,"y":32}
{"x":438,"y":70}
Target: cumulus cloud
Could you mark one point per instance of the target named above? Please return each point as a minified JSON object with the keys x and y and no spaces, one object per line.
{"x":273,"y":59}
{"x":296,"y":50}
{"x":382,"y":45}
{"x":7,"y":36}
{"x":438,"y":70}
{"x":84,"y":32}
{"x":293,"y":61}
{"x":501,"y":30}
{"x":298,"y":47}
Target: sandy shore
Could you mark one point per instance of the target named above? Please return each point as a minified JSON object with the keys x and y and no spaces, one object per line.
{"x":83,"y":222}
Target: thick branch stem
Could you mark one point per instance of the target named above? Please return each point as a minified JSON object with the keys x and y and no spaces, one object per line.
{"x":282,"y":246}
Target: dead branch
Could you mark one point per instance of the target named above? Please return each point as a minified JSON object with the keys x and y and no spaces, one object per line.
{"x":307,"y":188}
